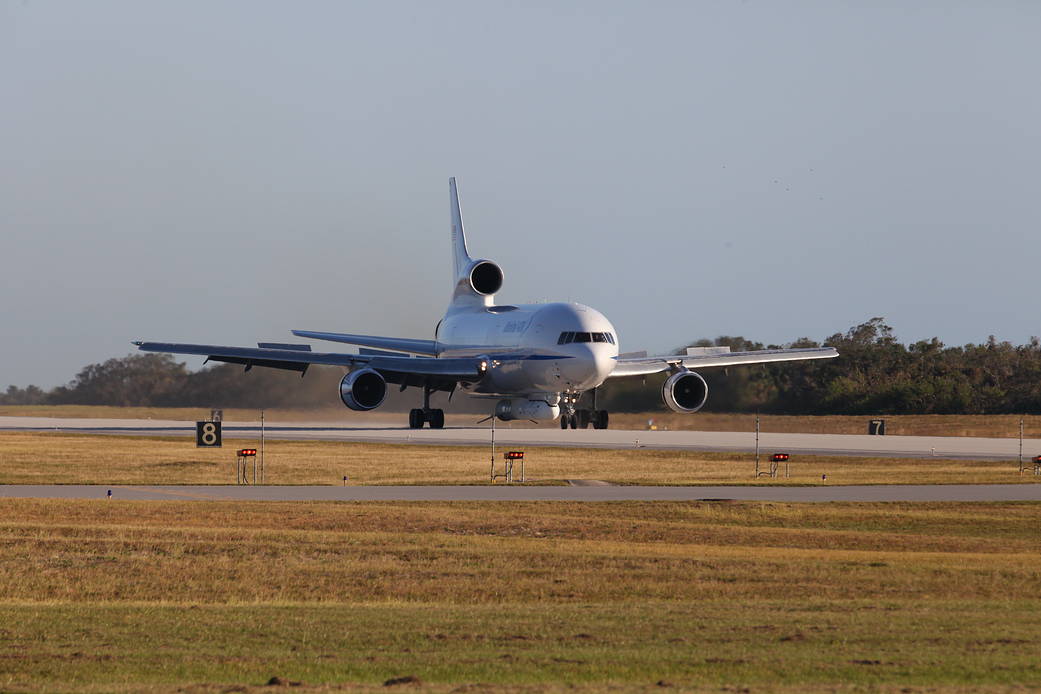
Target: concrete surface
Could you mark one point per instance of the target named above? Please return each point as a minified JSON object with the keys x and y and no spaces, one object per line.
{"x":961,"y":447}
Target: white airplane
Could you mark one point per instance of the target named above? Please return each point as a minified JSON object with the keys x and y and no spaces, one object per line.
{"x":535,"y":360}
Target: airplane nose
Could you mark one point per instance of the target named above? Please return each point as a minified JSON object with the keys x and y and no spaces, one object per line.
{"x":591,"y":365}
{"x":604,"y":364}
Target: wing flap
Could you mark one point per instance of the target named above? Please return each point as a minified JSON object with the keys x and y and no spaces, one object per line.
{"x":643,"y":366}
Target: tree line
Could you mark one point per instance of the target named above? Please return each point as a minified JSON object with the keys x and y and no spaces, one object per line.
{"x":874,"y":374}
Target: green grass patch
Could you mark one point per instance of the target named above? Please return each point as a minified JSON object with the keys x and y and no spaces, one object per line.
{"x":541,"y":596}
{"x":771,"y":644}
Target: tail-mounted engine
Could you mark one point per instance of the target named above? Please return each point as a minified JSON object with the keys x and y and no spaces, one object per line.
{"x":685,"y":392}
{"x":363,"y":390}
{"x":485,"y":277}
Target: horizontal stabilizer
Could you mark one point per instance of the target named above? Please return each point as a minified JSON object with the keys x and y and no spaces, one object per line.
{"x":399,"y":344}
{"x":365,"y":351}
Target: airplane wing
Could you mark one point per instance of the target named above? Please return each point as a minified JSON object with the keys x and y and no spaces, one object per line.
{"x":644,"y":365}
{"x":440,"y":373}
{"x":425,"y":347}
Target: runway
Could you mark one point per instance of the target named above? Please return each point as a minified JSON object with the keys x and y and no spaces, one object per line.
{"x":516,"y":492}
{"x":808,"y":444}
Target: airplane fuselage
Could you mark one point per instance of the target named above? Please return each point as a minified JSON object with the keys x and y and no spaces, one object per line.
{"x":534,"y":349}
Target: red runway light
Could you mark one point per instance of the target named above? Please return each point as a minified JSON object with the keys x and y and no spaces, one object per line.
{"x":779,"y":457}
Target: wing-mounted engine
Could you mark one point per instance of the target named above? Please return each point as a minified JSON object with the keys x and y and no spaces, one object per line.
{"x":363,"y":390}
{"x":685,"y":392}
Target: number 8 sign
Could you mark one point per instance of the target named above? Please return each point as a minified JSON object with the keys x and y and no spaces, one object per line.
{"x":207,"y":435}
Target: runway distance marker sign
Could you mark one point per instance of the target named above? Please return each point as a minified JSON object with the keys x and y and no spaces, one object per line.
{"x":207,"y":434}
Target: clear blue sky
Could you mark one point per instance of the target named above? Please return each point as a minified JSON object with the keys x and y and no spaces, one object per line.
{"x":224,"y":172}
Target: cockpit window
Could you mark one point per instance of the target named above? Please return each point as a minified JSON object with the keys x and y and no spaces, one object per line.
{"x":567,"y":338}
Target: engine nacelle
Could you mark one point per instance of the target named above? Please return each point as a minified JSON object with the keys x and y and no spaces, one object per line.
{"x":685,"y":392}
{"x":522,"y":408}
{"x":485,"y":277}
{"x":363,"y":390}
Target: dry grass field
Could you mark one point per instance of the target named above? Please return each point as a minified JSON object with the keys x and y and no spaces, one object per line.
{"x":207,"y":597}
{"x":110,"y":596}
{"x":988,"y":426}
{"x":48,"y":458}
{"x":997,"y":426}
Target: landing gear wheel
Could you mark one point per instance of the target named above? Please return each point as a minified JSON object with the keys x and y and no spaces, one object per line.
{"x":573,"y":421}
{"x":563,"y":421}
{"x":415,"y":419}
{"x":584,"y":418}
{"x":436,"y":419}
{"x":600,"y":419}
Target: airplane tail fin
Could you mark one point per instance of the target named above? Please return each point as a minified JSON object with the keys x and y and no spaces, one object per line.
{"x":460,"y":255}
{"x":476,"y":281}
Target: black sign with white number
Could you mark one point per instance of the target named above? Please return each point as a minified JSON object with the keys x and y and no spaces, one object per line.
{"x":207,"y":434}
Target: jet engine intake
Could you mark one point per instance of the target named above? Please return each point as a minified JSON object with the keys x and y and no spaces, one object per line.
{"x":685,"y":392}
{"x":485,"y":277}
{"x":522,"y":408}
{"x":363,"y":390}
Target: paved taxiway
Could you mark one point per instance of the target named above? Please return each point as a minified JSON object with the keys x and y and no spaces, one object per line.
{"x":961,"y":447}
{"x":864,"y":493}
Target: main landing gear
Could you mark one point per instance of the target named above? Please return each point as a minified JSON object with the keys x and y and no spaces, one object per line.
{"x":417,"y":417}
{"x":581,"y":419}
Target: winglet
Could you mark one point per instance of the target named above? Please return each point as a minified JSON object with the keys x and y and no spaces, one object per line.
{"x":460,"y":256}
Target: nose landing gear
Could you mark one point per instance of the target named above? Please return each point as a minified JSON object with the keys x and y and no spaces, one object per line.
{"x":581,"y":418}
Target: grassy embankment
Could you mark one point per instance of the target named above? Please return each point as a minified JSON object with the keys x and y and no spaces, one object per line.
{"x":45,"y":458}
{"x":999,"y":426}
{"x":217,"y":597}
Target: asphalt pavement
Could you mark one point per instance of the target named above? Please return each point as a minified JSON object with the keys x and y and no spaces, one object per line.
{"x":956,"y":447}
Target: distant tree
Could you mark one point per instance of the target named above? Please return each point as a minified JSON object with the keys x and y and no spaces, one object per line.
{"x":30,"y":395}
{"x":137,"y":379}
